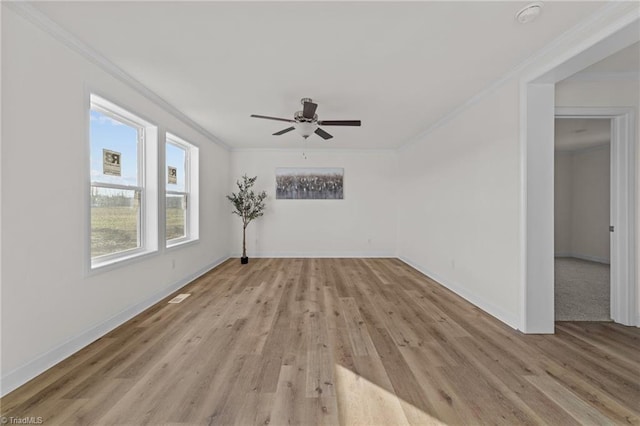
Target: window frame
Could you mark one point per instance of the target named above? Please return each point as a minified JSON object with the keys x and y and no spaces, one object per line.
{"x":146,"y":184}
{"x":190,"y":192}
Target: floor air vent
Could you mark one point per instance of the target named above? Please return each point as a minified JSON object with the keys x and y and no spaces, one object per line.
{"x":179,"y":298}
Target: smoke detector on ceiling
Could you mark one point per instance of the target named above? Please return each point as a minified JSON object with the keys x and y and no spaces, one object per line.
{"x":529,"y":13}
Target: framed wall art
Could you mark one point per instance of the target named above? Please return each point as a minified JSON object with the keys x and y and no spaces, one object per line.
{"x":309,"y":183}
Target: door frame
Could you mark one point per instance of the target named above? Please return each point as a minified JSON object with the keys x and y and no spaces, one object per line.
{"x":537,"y":115}
{"x":622,"y":205}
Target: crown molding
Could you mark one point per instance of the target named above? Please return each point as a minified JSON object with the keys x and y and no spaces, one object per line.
{"x":42,"y":21}
{"x":602,"y":17}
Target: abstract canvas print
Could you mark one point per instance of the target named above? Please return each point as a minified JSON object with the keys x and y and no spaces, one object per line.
{"x":309,"y":183}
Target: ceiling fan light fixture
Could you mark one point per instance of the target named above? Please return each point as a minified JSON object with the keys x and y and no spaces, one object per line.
{"x":306,"y":122}
{"x":529,"y":13}
{"x":305,"y":129}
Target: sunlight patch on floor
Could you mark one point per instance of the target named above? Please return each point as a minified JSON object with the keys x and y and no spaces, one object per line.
{"x":361,"y":402}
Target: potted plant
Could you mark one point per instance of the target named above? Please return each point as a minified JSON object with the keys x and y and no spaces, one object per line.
{"x":248,"y":205}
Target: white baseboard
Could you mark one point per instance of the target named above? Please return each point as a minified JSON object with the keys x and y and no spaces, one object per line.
{"x":584,"y":257}
{"x":508,"y":318}
{"x":33,"y":368}
{"x":378,"y":254}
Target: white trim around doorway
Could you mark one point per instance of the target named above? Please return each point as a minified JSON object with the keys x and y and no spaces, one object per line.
{"x":537,"y":115}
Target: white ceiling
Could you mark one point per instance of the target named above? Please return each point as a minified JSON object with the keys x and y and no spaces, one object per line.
{"x":572,"y":134}
{"x":398,"y":67}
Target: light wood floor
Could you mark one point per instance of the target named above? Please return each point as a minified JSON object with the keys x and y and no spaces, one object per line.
{"x":336,"y":341}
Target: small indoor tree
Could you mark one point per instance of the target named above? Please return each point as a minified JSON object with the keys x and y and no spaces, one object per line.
{"x":248,"y":205}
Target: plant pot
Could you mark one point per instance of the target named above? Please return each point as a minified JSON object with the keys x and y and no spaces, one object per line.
{"x":244,"y":260}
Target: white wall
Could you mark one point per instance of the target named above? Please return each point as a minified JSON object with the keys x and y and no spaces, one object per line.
{"x":462,"y":218}
{"x":50,"y":307}
{"x":362,"y":224}
{"x":582,"y":203}
{"x":603,"y":93}
{"x":459,"y":218}
{"x":1,"y":161}
{"x":562,"y":202}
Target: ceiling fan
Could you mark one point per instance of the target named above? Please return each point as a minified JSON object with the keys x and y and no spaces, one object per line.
{"x":306,"y":121}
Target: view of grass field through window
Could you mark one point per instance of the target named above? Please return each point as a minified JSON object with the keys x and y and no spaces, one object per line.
{"x":114,"y":220}
{"x":176,"y":216}
{"x":115,"y":199}
{"x":116,"y":208}
{"x":176,"y":158}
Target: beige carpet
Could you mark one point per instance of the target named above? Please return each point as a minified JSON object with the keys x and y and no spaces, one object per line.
{"x":582,"y":290}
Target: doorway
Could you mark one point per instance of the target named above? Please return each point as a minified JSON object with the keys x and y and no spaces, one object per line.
{"x":582,"y":191}
{"x":537,"y":147}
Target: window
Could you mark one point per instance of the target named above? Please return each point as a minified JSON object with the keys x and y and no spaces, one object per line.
{"x":181,"y":202}
{"x":122,"y":156}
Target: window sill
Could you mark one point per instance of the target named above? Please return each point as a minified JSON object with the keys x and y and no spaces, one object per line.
{"x":172,"y":244}
{"x":125,"y":259}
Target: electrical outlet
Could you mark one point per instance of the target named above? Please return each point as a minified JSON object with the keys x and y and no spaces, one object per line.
{"x":173,"y":264}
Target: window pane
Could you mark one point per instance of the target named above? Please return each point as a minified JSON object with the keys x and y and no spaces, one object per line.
{"x":176,"y":157}
{"x":115,"y":220}
{"x":176,"y":216}
{"x":117,"y":137}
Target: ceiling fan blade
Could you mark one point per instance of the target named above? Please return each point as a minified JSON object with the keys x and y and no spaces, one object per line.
{"x":324,"y":135}
{"x":266,"y":117}
{"x":282,"y":132}
{"x":339,"y":123}
{"x":309,"y":109}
